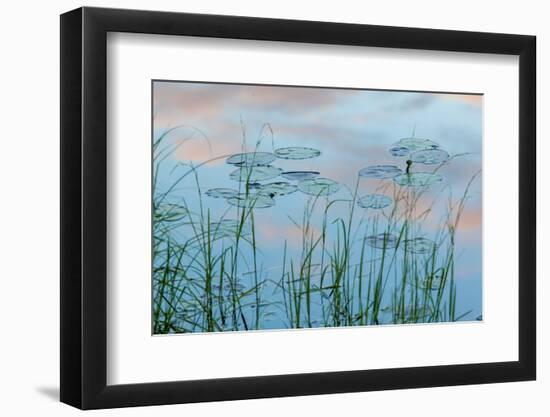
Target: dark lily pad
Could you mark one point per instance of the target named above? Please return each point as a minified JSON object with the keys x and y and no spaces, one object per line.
{"x":382,"y":240}
{"x":429,"y":156}
{"x":380,"y":171}
{"x":170,"y":212}
{"x":254,"y":200}
{"x":276,"y":188}
{"x":255,"y":173}
{"x":221,"y":192}
{"x":299,"y":175}
{"x":297,"y":152}
{"x":419,"y":245}
{"x":374,"y":201}
{"x":254,"y":186}
{"x":399,"y":151}
{"x":318,"y":186}
{"x":251,"y":159}
{"x":417,"y":179}
{"x":406,"y":146}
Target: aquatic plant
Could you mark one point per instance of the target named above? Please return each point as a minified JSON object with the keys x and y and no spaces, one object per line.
{"x":300,"y":175}
{"x":297,"y":152}
{"x":365,"y":259}
{"x":374,"y":201}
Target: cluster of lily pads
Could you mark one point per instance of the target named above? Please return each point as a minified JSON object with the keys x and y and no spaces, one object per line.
{"x":255,"y":170}
{"x":416,"y":151}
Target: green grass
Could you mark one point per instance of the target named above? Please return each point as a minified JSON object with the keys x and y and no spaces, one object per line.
{"x":209,"y":278}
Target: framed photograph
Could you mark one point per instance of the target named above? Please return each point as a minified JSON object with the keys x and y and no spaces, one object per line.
{"x":256,"y":207}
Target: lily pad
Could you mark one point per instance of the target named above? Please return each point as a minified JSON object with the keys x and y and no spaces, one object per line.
{"x":406,"y":146}
{"x":374,"y":201}
{"x":170,"y":212}
{"x":318,"y":186}
{"x":380,"y":171}
{"x":399,"y":151}
{"x":277,"y":188}
{"x":297,"y":152}
{"x":419,"y":245}
{"x":255,"y":173}
{"x":382,"y":240}
{"x":254,"y":200}
{"x":430,"y":156}
{"x":299,"y":175}
{"x":221,"y":192}
{"x":417,"y":179}
{"x":251,"y":159}
{"x":254,"y":186}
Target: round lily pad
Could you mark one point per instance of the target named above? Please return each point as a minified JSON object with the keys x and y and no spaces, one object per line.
{"x":255,"y":173}
{"x":419,"y":245}
{"x":399,"y":151}
{"x":221,"y":192}
{"x":299,"y":175}
{"x":374,"y":201}
{"x":251,"y":158}
{"x":380,"y":171}
{"x":417,"y":179}
{"x":318,"y":186}
{"x":382,"y":240}
{"x":277,"y":188}
{"x":170,"y":212}
{"x":297,"y":152}
{"x":429,"y":156}
{"x":254,"y":200}
{"x":415,"y":144}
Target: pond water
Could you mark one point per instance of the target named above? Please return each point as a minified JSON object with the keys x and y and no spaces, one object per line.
{"x":286,"y":230}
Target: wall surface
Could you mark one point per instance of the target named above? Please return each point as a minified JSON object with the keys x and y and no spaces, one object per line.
{"x":29,"y":211}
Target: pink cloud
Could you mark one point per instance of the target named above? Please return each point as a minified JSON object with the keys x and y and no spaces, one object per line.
{"x":290,"y":99}
{"x":470,"y":219}
{"x":174,"y":101}
{"x":226,"y":138}
{"x":276,"y":233}
{"x":473,"y":99}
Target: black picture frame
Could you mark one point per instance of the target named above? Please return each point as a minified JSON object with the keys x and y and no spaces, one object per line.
{"x":84,"y":207}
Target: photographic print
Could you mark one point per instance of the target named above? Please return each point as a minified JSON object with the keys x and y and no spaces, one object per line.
{"x":293,"y":207}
